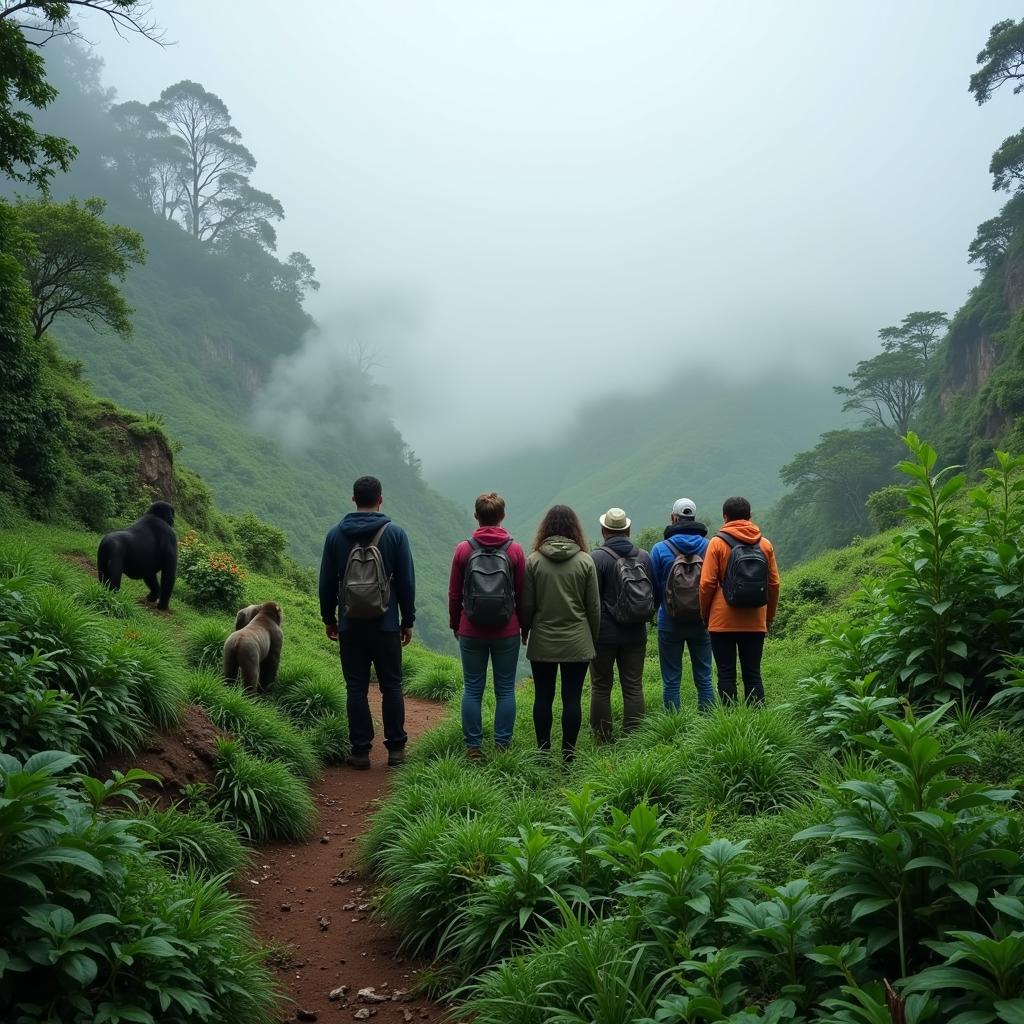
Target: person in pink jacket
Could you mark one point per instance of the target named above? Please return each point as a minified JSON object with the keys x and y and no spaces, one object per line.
{"x":485,"y":591}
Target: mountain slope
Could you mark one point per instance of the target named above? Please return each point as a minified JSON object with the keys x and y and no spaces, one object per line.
{"x":697,"y":437}
{"x":206,"y":342}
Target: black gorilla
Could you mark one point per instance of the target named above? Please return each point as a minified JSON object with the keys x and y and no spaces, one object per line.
{"x":147,"y":547}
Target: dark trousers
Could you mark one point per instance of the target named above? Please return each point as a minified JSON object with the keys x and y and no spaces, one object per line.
{"x":361,"y":649}
{"x":750,"y":647}
{"x":573,"y":675}
{"x":630,"y":659}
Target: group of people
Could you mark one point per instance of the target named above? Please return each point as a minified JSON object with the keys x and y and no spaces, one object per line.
{"x":576,"y":611}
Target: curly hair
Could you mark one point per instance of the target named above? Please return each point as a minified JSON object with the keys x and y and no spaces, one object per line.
{"x":560,"y":521}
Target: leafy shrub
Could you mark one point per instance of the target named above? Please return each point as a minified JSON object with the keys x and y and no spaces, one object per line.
{"x":81,"y":662}
{"x":257,"y":726}
{"x":215,"y":581}
{"x":262,"y":798}
{"x":204,"y":646}
{"x":262,"y":546}
{"x":33,"y":716}
{"x":92,"y":499}
{"x":91,"y":928}
{"x":191,"y":841}
{"x":887,"y":507}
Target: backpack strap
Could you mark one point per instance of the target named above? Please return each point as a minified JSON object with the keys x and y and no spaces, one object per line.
{"x":374,"y":541}
{"x":612,"y":552}
{"x":733,"y":542}
{"x":674,"y":549}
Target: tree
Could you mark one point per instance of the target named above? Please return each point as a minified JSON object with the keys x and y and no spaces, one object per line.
{"x":217,"y":199}
{"x":25,"y":154}
{"x":887,"y":387}
{"x":305,"y":273}
{"x":150,"y":159}
{"x":1007,"y":165}
{"x":839,"y":473}
{"x":261,"y":269}
{"x":76,"y":254}
{"x":1002,"y":61}
{"x":918,"y":332}
{"x":991,"y":242}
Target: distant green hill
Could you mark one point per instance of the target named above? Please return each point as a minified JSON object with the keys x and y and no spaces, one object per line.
{"x":205,"y":341}
{"x":697,"y":437}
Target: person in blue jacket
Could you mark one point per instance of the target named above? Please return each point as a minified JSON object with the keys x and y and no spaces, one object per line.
{"x":684,"y":535}
{"x":375,"y":642}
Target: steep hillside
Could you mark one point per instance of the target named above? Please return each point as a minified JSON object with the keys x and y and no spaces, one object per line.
{"x":207,"y":337}
{"x":695,"y":436}
{"x":976,"y":399}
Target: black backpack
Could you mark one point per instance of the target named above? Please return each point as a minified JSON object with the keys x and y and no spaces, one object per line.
{"x":633,"y":600}
{"x":488,"y":590}
{"x":682,"y":586}
{"x":745,"y":583}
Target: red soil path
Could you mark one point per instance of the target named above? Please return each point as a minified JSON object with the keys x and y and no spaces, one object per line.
{"x":312,"y":898}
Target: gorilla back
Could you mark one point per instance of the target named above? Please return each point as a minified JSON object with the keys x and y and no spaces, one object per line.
{"x":143,"y":551}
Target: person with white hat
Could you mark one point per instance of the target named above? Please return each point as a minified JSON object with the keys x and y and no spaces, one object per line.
{"x":677,"y":562}
{"x":625,"y":579}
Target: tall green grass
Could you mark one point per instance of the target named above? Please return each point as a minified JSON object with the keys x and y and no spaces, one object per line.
{"x":259,"y":727}
{"x":262,"y":798}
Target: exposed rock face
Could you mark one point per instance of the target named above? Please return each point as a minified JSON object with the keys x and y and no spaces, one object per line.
{"x":156,"y":466}
{"x":154,"y":460}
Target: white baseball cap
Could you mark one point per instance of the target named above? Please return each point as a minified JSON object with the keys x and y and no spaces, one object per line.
{"x":685,"y":508}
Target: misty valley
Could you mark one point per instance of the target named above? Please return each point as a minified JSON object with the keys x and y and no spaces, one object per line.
{"x":511,"y":513}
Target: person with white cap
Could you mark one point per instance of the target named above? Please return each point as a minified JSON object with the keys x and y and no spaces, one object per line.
{"x":625,"y":579}
{"x":677,"y":562}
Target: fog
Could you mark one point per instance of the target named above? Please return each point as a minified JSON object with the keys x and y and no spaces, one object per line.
{"x":573,"y":196}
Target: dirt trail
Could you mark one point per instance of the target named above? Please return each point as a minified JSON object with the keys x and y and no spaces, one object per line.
{"x":311,"y":898}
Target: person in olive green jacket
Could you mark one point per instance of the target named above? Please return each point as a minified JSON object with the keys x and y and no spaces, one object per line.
{"x":560,"y":616}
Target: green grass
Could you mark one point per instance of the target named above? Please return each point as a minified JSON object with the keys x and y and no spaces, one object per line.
{"x":262,"y":798}
{"x":204,"y":646}
{"x":191,"y":841}
{"x":259,"y":727}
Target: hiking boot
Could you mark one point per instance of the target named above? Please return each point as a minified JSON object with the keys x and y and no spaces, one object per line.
{"x":473,"y":754}
{"x":500,"y":748}
{"x":358,"y":760}
{"x":396,"y":758}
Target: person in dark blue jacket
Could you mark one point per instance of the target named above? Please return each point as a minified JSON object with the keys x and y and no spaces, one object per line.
{"x":374,"y":642}
{"x":684,"y":535}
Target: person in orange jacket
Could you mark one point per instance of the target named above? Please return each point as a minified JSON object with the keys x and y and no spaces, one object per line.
{"x":739,"y":595}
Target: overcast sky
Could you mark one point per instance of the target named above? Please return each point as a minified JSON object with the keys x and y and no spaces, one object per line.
{"x":565,"y":196}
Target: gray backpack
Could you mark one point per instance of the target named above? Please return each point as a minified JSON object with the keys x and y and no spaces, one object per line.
{"x":366,"y":586}
{"x":633,"y":599}
{"x":682,"y":588}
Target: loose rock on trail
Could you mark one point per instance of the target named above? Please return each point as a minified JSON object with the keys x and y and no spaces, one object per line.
{"x":311,"y":900}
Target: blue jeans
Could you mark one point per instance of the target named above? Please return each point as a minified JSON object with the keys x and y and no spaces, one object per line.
{"x":672,"y":638}
{"x":504,"y":655}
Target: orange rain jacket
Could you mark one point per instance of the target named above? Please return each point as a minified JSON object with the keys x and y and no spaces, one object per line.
{"x":719,"y":616}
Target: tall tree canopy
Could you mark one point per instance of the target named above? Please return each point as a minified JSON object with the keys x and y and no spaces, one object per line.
{"x":186,"y":159}
{"x":919,"y":333}
{"x":887,"y":387}
{"x":75,"y":259}
{"x":1002,"y":61}
{"x":28,"y":155}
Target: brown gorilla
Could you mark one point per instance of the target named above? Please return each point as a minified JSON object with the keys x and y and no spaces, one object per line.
{"x":255,"y":646}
